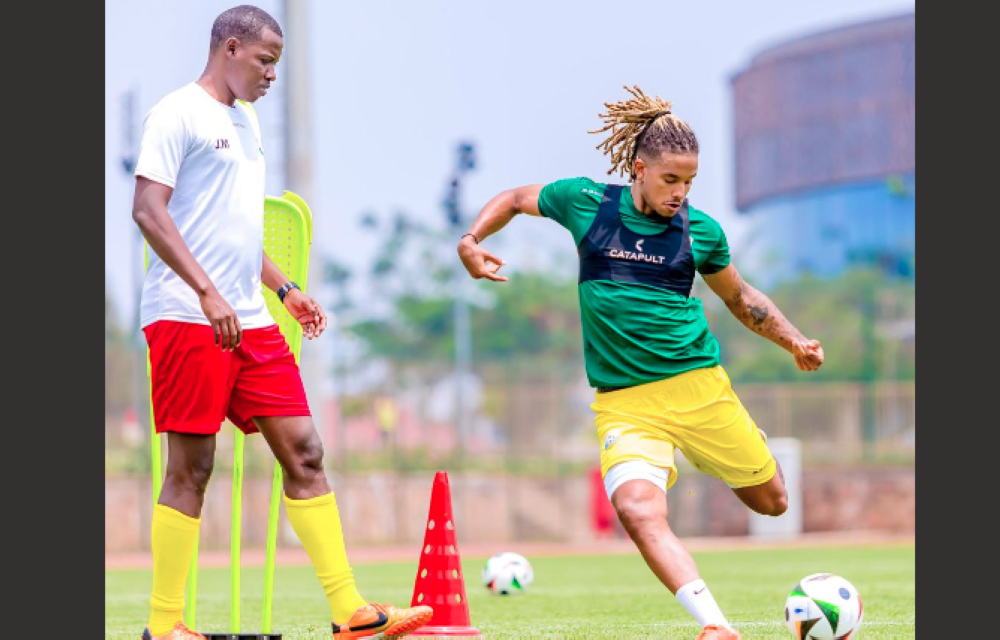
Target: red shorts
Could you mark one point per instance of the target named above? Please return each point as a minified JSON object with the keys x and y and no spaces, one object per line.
{"x":196,"y":385}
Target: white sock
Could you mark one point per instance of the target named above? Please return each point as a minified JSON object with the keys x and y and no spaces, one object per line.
{"x":698,"y":601}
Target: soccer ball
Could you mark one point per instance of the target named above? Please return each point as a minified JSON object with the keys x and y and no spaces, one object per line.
{"x":823,"y":606}
{"x":507,"y":573}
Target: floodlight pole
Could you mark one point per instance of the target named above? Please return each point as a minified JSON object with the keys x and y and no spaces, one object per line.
{"x":136,"y":341}
{"x":466,"y":162}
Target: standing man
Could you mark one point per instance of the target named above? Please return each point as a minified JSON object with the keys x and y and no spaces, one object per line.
{"x":215,"y":351}
{"x":647,"y":346}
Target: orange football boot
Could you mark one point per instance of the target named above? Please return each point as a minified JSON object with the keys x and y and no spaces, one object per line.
{"x":715,"y":632}
{"x":179,"y":632}
{"x":382,"y":621}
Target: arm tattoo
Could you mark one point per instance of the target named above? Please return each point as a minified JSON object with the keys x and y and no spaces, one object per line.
{"x":760,"y":315}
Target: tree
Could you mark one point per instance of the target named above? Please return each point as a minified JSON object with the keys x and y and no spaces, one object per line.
{"x":532,"y":316}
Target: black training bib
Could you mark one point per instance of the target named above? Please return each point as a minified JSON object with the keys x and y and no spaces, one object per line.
{"x":611,"y":251}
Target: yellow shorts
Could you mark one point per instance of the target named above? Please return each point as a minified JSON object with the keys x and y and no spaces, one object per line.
{"x":697,"y":412}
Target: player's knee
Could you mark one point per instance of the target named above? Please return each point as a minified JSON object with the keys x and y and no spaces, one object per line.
{"x":638,"y":515}
{"x":775,"y":505}
{"x":308,"y":458}
{"x":193,"y":476}
{"x":779,"y":505}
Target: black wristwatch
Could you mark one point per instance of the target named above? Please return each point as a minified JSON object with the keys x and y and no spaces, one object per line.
{"x":285,"y":288}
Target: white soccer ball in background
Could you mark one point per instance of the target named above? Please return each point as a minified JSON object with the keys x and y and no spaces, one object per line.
{"x":823,"y":606}
{"x":507,"y":573}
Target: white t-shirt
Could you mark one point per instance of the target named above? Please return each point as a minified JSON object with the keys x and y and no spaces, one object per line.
{"x":211,"y":155}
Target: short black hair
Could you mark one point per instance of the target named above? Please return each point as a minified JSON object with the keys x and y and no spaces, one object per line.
{"x":245,"y":22}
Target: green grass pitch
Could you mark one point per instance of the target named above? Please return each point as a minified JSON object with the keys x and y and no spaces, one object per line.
{"x":573,"y":598}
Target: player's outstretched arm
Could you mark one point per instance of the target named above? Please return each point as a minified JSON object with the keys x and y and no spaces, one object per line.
{"x":756,"y":311}
{"x":494,"y":216}
{"x":149,"y":210}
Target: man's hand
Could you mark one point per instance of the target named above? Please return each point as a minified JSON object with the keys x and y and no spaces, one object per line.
{"x":307,"y":311}
{"x":808,"y":354}
{"x":479,"y":262}
{"x":228,"y":332}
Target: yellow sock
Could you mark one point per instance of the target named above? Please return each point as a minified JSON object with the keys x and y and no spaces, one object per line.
{"x":173,"y":539}
{"x":317,"y":523}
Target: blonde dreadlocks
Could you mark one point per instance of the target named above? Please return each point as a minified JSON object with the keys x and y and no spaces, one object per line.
{"x":642,"y":124}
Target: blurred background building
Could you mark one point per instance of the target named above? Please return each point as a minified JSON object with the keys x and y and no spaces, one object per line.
{"x":826,"y":150}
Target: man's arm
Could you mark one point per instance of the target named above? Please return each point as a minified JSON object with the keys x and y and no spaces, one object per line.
{"x":271,"y":275}
{"x":302,"y":307}
{"x":494,"y":217}
{"x":756,"y":311}
{"x":149,"y":210}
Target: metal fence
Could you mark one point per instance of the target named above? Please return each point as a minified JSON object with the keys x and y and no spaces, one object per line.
{"x":540,"y":423}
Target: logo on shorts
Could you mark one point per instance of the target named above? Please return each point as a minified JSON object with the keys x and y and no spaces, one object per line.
{"x":611,"y":438}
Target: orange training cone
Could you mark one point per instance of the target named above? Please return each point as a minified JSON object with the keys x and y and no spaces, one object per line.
{"x":439,"y":576}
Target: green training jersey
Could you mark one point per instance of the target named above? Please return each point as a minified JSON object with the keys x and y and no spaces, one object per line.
{"x":635,"y":332}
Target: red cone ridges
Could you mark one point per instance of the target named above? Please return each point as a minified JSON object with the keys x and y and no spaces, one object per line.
{"x":440,"y":583}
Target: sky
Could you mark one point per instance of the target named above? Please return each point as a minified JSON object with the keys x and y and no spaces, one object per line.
{"x":397,"y":85}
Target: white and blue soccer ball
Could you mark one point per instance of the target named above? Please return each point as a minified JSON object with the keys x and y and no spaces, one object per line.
{"x":823,"y":606}
{"x":507,"y":573}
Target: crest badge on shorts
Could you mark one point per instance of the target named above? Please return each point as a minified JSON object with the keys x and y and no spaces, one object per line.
{"x":612,"y":437}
